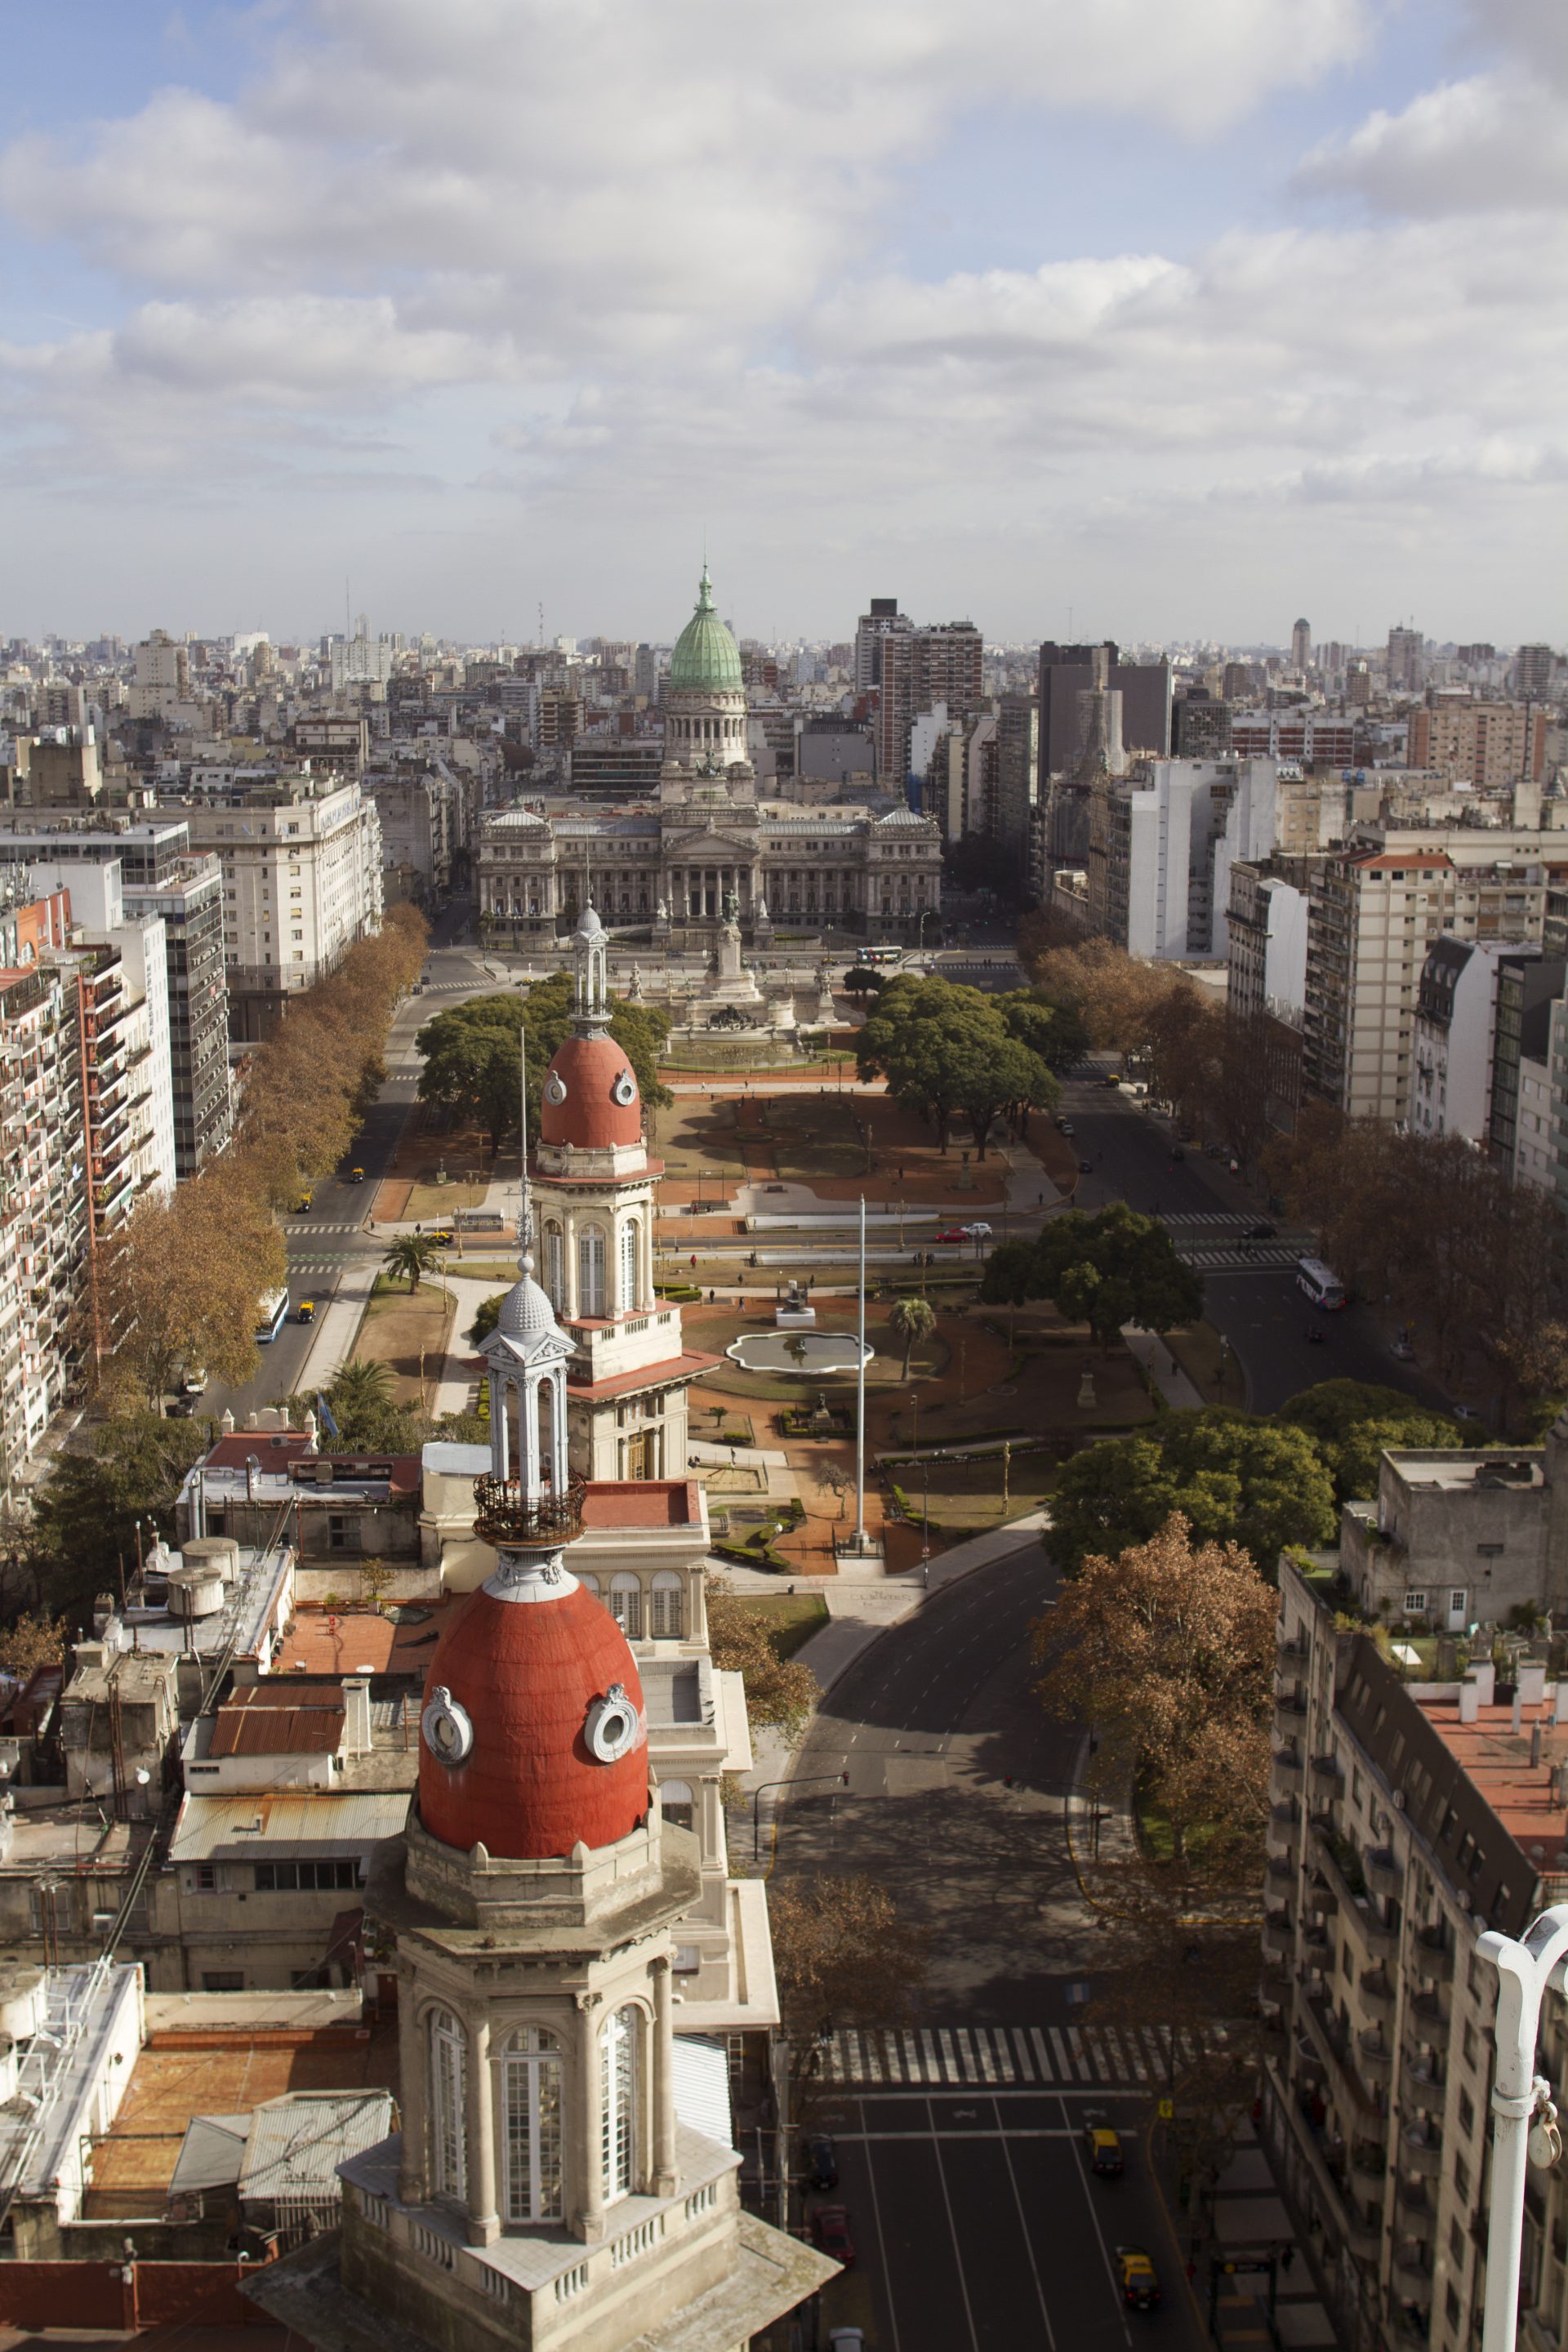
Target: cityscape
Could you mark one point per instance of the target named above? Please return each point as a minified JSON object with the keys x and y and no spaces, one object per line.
{"x":783,"y":1181}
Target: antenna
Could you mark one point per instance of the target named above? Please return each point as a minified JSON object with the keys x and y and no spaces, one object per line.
{"x":541,"y":626}
{"x":525,"y":1205}
{"x":348,"y":608}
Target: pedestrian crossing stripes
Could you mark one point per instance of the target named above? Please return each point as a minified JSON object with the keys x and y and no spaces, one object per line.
{"x":322,"y":1226}
{"x":1061,"y":2057}
{"x":1220,"y":1260}
{"x":1232,"y":1217}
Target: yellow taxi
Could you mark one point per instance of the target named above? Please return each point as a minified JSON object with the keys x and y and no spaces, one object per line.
{"x":1103,"y":2146}
{"x":1139,"y":2282}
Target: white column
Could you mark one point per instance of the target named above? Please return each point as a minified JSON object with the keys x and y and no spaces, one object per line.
{"x":500,"y":1436}
{"x":484,"y":2220}
{"x":666,"y":2179}
{"x":590,"y":2157}
{"x":413,"y":2094}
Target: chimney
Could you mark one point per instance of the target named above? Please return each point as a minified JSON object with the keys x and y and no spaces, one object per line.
{"x":356,"y":1716}
{"x":1470,"y":1700}
{"x":1485,"y":1679}
{"x":1532,"y":1684}
{"x":1516,"y":1719}
{"x":1535,"y":1745}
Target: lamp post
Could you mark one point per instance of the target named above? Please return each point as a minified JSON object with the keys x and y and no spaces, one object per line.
{"x":1524,"y":2126}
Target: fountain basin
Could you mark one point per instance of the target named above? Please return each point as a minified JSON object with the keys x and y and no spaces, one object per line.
{"x":810,"y":1353}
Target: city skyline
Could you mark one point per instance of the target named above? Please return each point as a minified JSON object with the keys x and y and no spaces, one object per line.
{"x":1189,"y":327}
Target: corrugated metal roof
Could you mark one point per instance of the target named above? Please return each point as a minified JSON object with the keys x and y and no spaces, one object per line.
{"x":211,"y":2153}
{"x":267,"y":1720}
{"x":291,"y":1828}
{"x":298,"y":2143}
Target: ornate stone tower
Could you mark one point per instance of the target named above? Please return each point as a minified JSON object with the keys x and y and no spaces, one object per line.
{"x":547,"y":2187}
{"x":627,"y":1381}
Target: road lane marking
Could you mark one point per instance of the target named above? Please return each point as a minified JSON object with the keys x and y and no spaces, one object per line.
{"x":1028,"y":2232}
{"x":953,"y":2226}
{"x":881,"y":2242}
{"x":1099,"y":2233}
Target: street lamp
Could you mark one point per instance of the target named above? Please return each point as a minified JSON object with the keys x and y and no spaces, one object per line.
{"x":1525,"y":2121}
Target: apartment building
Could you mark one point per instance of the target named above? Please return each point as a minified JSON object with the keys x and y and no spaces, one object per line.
{"x":162,"y":682}
{"x":1323,"y":739}
{"x":1407,"y":1816}
{"x":1453,"y":1037}
{"x":43,"y":1177}
{"x":1491,"y":745}
{"x":160,"y":880}
{"x":120,"y":957}
{"x":1068,"y":673}
{"x":1162,"y":841}
{"x":1378,"y":907}
{"x":301,"y":880}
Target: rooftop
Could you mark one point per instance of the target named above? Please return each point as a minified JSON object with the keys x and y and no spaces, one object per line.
{"x":361,"y":1642}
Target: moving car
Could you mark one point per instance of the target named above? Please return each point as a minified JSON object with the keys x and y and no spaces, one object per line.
{"x":1178,"y":1151}
{"x":821,"y":2162}
{"x":307,"y":1310}
{"x":845,"y":2339}
{"x":1103,"y":2146}
{"x":1139,"y":2283}
{"x":964,"y":1234}
{"x":303,"y":1203}
{"x":194,"y":1382}
{"x":831,"y":2234}
{"x":1402,"y":1349}
{"x":1262,"y":1231}
{"x":1086,"y":1167}
{"x":1066,"y":1127}
{"x":356,"y":1175}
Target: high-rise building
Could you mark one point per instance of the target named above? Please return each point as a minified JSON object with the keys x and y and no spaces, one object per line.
{"x":921,"y":668}
{"x":1301,"y":646}
{"x":1488,"y":744}
{"x":1534,"y":671}
{"x":884,"y":620}
{"x":1161,"y":843}
{"x":1067,"y":673}
{"x":1406,"y":661}
{"x":162,"y":676}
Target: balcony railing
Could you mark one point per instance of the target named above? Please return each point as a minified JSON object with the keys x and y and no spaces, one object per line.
{"x":508,"y":1517}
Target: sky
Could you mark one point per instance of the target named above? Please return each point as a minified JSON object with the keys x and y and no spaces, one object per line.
{"x":1110,"y":315}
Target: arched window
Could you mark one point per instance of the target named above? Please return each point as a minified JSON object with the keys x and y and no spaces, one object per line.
{"x":530,"y":2125}
{"x":675,"y":1803}
{"x":589,"y":1583}
{"x":618,"y":2102}
{"x":668,"y":1606}
{"x":590,"y":1270}
{"x":630,"y":1288}
{"x":448,"y":2138}
{"x":554,"y":1268}
{"x":626,"y":1605}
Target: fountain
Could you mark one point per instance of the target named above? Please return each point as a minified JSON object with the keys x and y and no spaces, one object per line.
{"x":809,"y":1354}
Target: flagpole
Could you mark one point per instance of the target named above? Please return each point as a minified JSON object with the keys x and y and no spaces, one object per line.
{"x":860,"y":1400}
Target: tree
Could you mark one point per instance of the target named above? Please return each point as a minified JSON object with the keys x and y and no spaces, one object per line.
{"x":1052,"y":1029}
{"x":911,"y":1320}
{"x":128,"y":1468}
{"x":841,"y":1952}
{"x":1168,"y":1650}
{"x":945,"y":1050}
{"x":359,"y":1386}
{"x":486,"y":1315}
{"x":835,"y":1480}
{"x":471,"y":1059}
{"x":1232,"y":1477}
{"x":413,"y":1255}
{"x":863,"y":980}
{"x":779,"y":1691}
{"x":179,"y":1281}
{"x":31,"y":1643}
{"x":1105,"y":1270}
{"x":1352,"y":1422}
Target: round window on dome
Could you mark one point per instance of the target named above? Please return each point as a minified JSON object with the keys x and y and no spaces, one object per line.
{"x":556,"y":1088}
{"x":612,"y":1726}
{"x":447,"y":1729}
{"x":625,"y":1089}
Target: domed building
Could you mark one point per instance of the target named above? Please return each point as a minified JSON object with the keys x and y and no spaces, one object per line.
{"x":670,"y":870}
{"x":557,"y":2179}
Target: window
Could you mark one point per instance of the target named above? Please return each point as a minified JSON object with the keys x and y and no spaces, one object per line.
{"x":223,"y":1979}
{"x":626,"y":1605}
{"x":590,"y":1270}
{"x":286,"y":1877}
{"x":687,"y":1960}
{"x":630,"y":1287}
{"x":675,"y":1803}
{"x":668,"y":1600}
{"x":449,"y":2145}
{"x":530,"y":2125}
{"x":204,"y":1878}
{"x":1467,"y":2114}
{"x":1462,"y":2183}
{"x":618,"y":2102}
{"x":1452,"y":2307}
{"x":1416,"y":1604}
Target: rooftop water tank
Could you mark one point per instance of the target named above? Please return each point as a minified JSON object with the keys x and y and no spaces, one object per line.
{"x":194,"y":1593}
{"x":218,"y":1554}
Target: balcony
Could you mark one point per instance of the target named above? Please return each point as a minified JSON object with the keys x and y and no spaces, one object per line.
{"x":1377,"y":1993}
{"x":1290,"y":1646}
{"x":1383,"y":1869}
{"x":1285,"y":1768}
{"x":1290,"y":1705}
{"x":1421,"y":2149}
{"x":1423,"y":2076}
{"x":1369,"y":2165}
{"x":1328,"y":1774}
{"x":1278,"y":1934}
{"x":1374,"y":2056}
{"x":1429,"y":2008}
{"x":1413,"y":2273}
{"x":1280,"y":1869}
{"x":1432,"y":1956}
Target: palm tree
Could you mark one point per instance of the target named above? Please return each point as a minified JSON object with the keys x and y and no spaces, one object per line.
{"x":362,"y":1385}
{"x":413,"y":1255}
{"x":913,"y":1320}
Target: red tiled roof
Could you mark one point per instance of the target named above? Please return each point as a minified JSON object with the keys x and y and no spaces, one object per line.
{"x":686,"y":1367}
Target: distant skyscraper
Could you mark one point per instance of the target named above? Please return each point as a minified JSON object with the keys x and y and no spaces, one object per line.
{"x":1406,"y":661}
{"x":883,"y":620}
{"x":1533,"y":667}
{"x":1301,"y":646}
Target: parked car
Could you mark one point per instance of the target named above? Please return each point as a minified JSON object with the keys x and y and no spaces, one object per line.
{"x":1103,"y":2146}
{"x":1177,"y":1153}
{"x":1086,"y":1167}
{"x":194,"y":1382}
{"x":845,"y":2339}
{"x":1139,"y":2281}
{"x":831,"y":2234}
{"x":1262,"y":1231}
{"x":1066,"y":1127}
{"x":1464,"y":1413}
{"x":821,"y":2162}
{"x":1402,"y":1349}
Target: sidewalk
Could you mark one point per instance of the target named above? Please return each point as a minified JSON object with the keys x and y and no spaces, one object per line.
{"x":1158,"y":1362}
{"x":1252,"y":2222}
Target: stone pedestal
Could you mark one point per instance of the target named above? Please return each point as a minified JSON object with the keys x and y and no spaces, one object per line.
{"x":1086,"y":1397}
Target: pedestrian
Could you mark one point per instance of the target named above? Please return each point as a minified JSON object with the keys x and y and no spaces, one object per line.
{"x":1287,"y":2255}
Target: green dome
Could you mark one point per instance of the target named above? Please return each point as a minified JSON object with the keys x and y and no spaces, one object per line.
{"x":706,"y":660}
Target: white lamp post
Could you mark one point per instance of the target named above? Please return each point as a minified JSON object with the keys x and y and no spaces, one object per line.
{"x":1524,"y":2126}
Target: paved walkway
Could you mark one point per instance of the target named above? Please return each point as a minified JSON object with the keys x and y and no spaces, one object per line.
{"x":1156,"y":1359}
{"x":1251,"y":2223}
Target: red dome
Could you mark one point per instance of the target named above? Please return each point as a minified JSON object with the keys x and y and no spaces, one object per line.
{"x":591,"y":1097}
{"x":525,"y":1683}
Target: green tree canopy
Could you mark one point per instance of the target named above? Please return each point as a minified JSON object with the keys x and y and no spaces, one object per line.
{"x":1232,"y":1477}
{"x":947,"y":1050}
{"x":1352,"y":1422}
{"x":1056,"y":1031}
{"x":130,"y":1467}
{"x":1104,"y":1270}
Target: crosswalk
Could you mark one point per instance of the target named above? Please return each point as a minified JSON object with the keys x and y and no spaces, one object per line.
{"x":1236,"y":1219}
{"x":1252,"y":1259}
{"x":1107,"y":2057}
{"x":323,"y":1225}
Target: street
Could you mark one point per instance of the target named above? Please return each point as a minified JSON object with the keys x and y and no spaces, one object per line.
{"x":975,"y":2218}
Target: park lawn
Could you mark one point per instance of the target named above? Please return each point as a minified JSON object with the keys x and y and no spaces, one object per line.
{"x":968,"y":1494}
{"x":400,"y":1330}
{"x":1154,"y":1827}
{"x":790,"y":1618}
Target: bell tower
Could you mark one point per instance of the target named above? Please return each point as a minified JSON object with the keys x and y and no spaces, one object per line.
{"x":594,"y":1181}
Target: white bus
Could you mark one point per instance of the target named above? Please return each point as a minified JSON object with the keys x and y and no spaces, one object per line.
{"x":269,"y":1315}
{"x":1320,"y":1282}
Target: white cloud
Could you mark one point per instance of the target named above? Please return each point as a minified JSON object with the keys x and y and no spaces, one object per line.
{"x":1497,"y":142}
